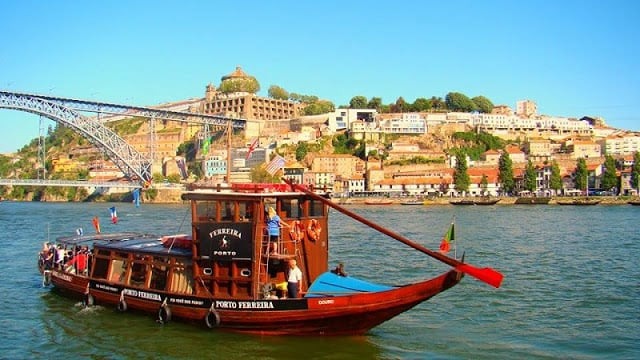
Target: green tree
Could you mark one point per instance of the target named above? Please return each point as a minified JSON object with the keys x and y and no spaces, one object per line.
{"x":246,"y":84}
{"x":342,"y":144}
{"x":375,"y":103}
{"x":174,"y":178}
{"x":437,"y":103}
{"x":581,"y":174}
{"x":5,"y":166}
{"x":609,"y":178}
{"x":260,"y":175}
{"x":555,"y":181}
{"x":505,"y":175}
{"x":276,"y":92}
{"x":301,"y":151}
{"x":635,"y":171}
{"x":460,"y":176}
{"x":400,"y":105}
{"x":459,"y":102}
{"x":295,"y":97}
{"x":484,"y":183}
{"x":358,"y":102}
{"x":158,"y":177}
{"x":530,"y":182}
{"x":483,"y":104}
{"x":421,"y":104}
{"x":319,"y":107}
{"x":188,"y":150}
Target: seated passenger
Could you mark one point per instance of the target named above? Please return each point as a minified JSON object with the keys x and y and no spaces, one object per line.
{"x":78,"y":264}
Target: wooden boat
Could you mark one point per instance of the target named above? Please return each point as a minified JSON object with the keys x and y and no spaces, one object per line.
{"x":378,"y":202}
{"x":412,"y":202}
{"x":222,"y":275}
{"x":532,"y":200}
{"x":634,"y":202}
{"x":487,"y":201}
{"x":578,"y":202}
{"x":461,"y":202}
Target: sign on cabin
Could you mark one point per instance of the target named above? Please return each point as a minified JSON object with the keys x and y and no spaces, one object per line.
{"x":226,"y":242}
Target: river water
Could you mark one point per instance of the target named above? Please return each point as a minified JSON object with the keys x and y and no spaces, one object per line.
{"x":571,"y":287}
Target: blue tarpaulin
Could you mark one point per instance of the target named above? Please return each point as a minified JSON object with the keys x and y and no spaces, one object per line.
{"x":330,"y":284}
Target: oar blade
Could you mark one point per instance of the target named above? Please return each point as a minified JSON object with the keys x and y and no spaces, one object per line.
{"x":487,"y":275}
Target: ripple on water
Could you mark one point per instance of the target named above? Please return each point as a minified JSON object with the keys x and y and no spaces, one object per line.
{"x":570,"y":289}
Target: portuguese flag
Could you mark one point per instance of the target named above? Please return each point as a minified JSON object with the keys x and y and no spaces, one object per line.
{"x":445,"y":244}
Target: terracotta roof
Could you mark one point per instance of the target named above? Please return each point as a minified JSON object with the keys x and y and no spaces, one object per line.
{"x":235,"y":74}
{"x":513,"y":149}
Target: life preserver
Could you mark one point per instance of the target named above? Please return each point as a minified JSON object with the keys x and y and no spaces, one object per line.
{"x":164,"y":314}
{"x":122,"y":305}
{"x":296,"y":231}
{"x":212,"y":319}
{"x":88,"y":300}
{"x":314,"y":230}
{"x":46,"y":278}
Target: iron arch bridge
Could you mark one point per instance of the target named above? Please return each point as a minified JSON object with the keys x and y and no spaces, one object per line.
{"x":125,"y":157}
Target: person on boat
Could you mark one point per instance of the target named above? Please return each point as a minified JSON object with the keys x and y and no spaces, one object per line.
{"x":60,"y":256}
{"x":78,"y":263}
{"x":273,"y":227}
{"x":47,"y":256}
{"x":339,"y":270}
{"x":294,"y":279}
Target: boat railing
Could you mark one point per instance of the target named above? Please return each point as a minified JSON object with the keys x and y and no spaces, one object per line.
{"x":285,"y":249}
{"x":283,"y":246}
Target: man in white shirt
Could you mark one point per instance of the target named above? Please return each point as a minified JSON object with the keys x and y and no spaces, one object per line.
{"x":294,"y":280}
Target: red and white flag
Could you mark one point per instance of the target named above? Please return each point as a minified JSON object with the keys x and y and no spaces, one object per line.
{"x":254,"y":144}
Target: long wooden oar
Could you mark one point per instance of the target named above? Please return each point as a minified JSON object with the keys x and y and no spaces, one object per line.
{"x":487,"y":275}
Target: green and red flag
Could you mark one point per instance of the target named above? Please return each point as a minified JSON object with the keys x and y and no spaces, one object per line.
{"x":445,"y":244}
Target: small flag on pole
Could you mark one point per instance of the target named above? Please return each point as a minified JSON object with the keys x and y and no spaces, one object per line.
{"x":205,"y":145}
{"x":136,"y":197}
{"x":252,"y":147}
{"x":445,"y":244}
{"x":96,"y":224}
{"x":276,"y":164}
{"x":114,"y":215}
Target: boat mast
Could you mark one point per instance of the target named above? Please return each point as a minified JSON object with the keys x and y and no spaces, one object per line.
{"x":228,"y":179}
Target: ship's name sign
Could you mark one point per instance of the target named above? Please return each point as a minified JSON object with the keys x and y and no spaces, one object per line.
{"x":226,"y":304}
{"x":142,"y":294}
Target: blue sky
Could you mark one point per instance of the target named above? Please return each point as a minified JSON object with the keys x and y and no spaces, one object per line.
{"x":573,"y":58}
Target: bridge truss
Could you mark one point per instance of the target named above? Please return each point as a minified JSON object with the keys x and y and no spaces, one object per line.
{"x":124,"y":156}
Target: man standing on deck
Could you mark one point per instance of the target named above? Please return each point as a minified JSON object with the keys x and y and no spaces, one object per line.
{"x":294,"y":279}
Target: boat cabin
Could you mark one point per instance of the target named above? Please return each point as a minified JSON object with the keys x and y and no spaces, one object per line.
{"x":232,"y":254}
{"x":229,"y":253}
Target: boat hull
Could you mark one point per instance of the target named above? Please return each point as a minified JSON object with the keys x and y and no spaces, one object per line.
{"x":474,"y":202}
{"x":378,"y":202}
{"x":353,"y":314}
{"x":578,"y":202}
{"x":532,"y":201}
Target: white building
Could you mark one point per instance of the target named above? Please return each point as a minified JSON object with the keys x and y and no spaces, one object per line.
{"x":618,"y":145}
{"x":499,"y":122}
{"x":341,"y":119}
{"x":407,"y":123}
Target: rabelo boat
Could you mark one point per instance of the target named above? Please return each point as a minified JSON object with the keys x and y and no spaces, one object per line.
{"x":222,"y":274}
